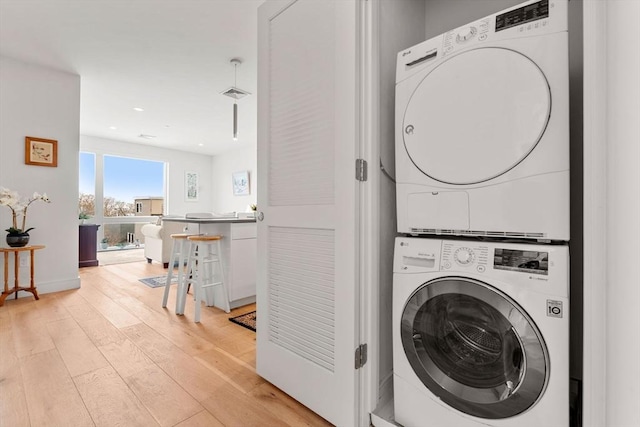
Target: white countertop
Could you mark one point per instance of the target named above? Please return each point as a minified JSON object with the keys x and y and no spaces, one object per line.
{"x":209,"y":220}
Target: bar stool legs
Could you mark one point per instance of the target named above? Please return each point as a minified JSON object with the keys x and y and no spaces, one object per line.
{"x":179,"y":245}
{"x":205,"y":253}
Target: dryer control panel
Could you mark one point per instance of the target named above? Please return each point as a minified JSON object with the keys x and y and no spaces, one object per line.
{"x":532,"y":18}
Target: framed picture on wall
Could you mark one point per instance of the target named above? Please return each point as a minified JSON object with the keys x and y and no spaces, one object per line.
{"x":240,"y":183}
{"x":191,"y":186}
{"x":40,"y":151}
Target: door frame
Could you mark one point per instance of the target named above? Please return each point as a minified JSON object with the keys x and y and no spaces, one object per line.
{"x":595,"y":230}
{"x":610,"y":212}
{"x":368,"y":389}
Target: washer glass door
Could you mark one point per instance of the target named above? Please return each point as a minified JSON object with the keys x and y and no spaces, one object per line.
{"x":476,"y":115}
{"x":474,"y":348}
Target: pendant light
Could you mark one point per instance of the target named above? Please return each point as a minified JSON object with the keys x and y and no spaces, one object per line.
{"x":236,"y":94}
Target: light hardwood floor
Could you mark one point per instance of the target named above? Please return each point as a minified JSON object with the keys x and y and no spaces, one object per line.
{"x":108,"y":354}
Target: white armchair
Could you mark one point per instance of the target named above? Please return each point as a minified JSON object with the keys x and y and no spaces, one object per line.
{"x":157,"y":241}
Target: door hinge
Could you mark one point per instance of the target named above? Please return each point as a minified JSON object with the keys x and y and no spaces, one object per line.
{"x":361,"y":169}
{"x":361,"y":356}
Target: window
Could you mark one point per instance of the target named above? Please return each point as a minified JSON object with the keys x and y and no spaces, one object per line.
{"x":121,"y":194}
{"x":87,"y":181}
{"x":128,"y":182}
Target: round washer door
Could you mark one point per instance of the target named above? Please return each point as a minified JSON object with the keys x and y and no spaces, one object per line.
{"x":474,"y":348}
{"x":476,"y":116}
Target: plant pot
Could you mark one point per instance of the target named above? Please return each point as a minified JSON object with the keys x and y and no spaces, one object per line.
{"x":18,"y":240}
{"x":104,"y":245}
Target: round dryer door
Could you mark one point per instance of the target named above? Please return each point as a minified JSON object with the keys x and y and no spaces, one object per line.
{"x":476,"y":116}
{"x":474,"y":348}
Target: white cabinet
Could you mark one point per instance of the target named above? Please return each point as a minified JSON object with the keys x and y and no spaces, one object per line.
{"x":242,"y":268}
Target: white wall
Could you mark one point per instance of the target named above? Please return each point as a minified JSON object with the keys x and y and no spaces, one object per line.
{"x":223,"y":166}
{"x":178,"y":162}
{"x":45,"y":103}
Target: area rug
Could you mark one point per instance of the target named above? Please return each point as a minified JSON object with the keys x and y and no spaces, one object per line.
{"x":247,"y":320}
{"x":158,"y":281}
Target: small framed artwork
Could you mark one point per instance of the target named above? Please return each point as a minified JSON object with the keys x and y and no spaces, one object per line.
{"x":40,"y":152}
{"x":191,"y":186}
{"x":240,"y":183}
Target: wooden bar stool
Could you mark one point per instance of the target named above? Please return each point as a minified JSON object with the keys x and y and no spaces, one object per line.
{"x":179,"y":254}
{"x":204,"y":253}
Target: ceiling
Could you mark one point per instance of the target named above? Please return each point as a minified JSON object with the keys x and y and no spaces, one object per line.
{"x":169,"y":57}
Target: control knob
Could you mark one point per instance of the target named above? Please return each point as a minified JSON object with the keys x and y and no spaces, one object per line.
{"x":466,"y":34}
{"x":464,"y":256}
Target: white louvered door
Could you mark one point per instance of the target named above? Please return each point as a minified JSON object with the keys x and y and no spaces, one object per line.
{"x":307,"y":242}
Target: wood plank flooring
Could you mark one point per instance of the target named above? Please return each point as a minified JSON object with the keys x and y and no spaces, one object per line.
{"x":108,"y":354}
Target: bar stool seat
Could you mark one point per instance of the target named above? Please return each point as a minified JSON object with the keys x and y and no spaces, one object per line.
{"x":179,"y":254}
{"x":205,"y":252}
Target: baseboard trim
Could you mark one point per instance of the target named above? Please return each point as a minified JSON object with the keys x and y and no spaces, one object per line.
{"x":50,"y":287}
{"x":243,"y":301}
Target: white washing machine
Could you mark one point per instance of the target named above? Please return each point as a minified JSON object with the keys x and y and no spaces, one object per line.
{"x":480,"y":333}
{"x":482,"y":128}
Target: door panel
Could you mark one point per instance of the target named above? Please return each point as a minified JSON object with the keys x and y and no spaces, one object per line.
{"x":302,"y":294}
{"x":302,"y":103}
{"x":307,"y":192}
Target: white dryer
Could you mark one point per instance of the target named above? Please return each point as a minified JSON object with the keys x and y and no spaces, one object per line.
{"x":482,"y":127}
{"x":480,"y":333}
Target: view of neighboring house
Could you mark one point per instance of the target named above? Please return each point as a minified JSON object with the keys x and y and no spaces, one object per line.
{"x":149,"y":206}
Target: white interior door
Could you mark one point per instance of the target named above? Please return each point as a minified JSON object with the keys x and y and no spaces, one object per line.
{"x":307,"y":241}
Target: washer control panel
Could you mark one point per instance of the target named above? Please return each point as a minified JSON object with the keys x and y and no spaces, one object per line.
{"x":464,"y":256}
{"x":534,"y":267}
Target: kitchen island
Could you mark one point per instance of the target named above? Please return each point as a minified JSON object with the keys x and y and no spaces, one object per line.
{"x":239,"y":250}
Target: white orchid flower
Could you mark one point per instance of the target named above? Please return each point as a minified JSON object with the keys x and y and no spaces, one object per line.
{"x":9,"y":197}
{"x":9,"y":200}
{"x":19,"y":207}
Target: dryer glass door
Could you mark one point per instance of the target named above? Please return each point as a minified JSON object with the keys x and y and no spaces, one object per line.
{"x":476,"y":116}
{"x":474,"y":348}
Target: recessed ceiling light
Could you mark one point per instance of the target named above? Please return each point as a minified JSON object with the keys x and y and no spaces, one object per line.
{"x":113,"y":127}
{"x":138,"y":109}
{"x":145,"y":136}
{"x":200,"y":145}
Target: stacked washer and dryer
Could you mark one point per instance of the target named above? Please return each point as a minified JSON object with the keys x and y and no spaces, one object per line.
{"x":481,"y":278}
